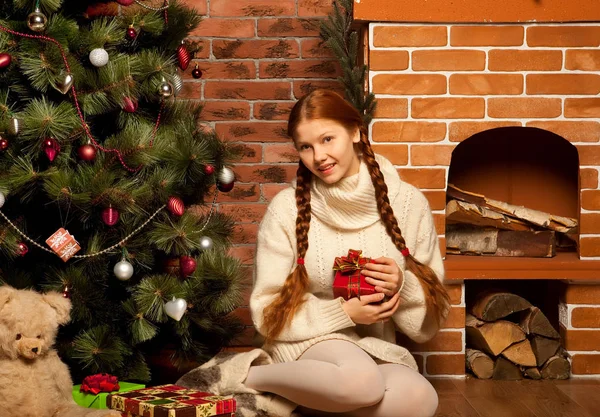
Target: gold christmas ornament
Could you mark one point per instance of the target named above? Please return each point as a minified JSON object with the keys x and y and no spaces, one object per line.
{"x":37,"y":20}
{"x":165,"y":88}
{"x":65,"y":84}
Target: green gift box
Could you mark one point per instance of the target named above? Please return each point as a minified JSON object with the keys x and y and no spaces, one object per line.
{"x":89,"y":400}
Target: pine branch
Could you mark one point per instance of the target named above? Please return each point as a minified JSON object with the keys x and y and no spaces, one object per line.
{"x":100,"y":348}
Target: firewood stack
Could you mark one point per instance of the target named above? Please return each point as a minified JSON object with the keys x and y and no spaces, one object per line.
{"x":477,"y":225}
{"x":508,"y":338}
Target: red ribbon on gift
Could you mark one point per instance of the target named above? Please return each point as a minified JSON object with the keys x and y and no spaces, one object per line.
{"x":98,"y":383}
{"x":350,"y":265}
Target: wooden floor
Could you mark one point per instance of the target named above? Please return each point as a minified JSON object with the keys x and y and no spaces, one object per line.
{"x":486,"y":398}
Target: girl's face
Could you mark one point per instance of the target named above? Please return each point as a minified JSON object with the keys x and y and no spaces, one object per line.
{"x":327,"y":149}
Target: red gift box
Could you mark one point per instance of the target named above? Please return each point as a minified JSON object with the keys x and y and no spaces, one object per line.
{"x":348,"y":281}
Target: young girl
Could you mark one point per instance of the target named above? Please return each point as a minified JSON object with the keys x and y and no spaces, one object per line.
{"x":328,"y":355}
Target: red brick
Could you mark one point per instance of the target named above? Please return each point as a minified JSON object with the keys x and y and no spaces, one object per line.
{"x":589,"y":246}
{"x":563,"y":84}
{"x":244,"y":233}
{"x":273,"y":111}
{"x":445,"y":364}
{"x":448,"y":108}
{"x":571,"y":131}
{"x":437,"y":199}
{"x":241,"y":193}
{"x":563,"y":35}
{"x":253,"y":131}
{"x":409,"y":84}
{"x":315,"y":48}
{"x":391,"y":108}
{"x":524,"y":107}
{"x":306,"y":68}
{"x":390,"y":36}
{"x":250,"y":152}
{"x":280,"y":153}
{"x":580,"y":340}
{"x":225,"y":110}
{"x":314,"y":7}
{"x":589,"y":223}
{"x":199,"y":5}
{"x":248,"y":90}
{"x":525,"y":60}
{"x":582,"y":107}
{"x":439,"y":221}
{"x":225,"y":28}
{"x":455,"y":293}
{"x":456,"y":318}
{"x":587,"y":317}
{"x":245,"y":253}
{"x":288,"y":27}
{"x":487,"y":35}
{"x":424,"y":178}
{"x":271,"y":190}
{"x":486,"y":84}
{"x":408,"y":131}
{"x":303,"y":87}
{"x":590,"y":199}
{"x":397,"y":154}
{"x":585,"y":364}
{"x":431,"y":154}
{"x":581,"y":294}
{"x":282,"y":173}
{"x":448,"y":60}
{"x":583,"y":60}
{"x":446,"y":341}
{"x":244,"y":213}
{"x":460,"y":131}
{"x":227,"y":70}
{"x":201,"y":48}
{"x":190,"y":90}
{"x":257,"y":49}
{"x":252,"y":8}
{"x":388,"y":60}
{"x":588,"y":178}
{"x":588,"y":154}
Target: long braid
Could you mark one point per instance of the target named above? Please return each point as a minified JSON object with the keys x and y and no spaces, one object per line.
{"x":436,"y":295}
{"x":291,"y":296}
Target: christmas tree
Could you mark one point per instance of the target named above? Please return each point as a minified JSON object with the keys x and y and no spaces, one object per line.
{"x":108,"y":184}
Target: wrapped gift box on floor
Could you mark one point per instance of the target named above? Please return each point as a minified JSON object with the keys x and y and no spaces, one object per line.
{"x":171,"y":401}
{"x":89,"y":400}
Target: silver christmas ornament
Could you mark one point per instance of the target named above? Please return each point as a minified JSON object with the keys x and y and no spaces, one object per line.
{"x":2,"y":199}
{"x":14,"y":126}
{"x":165,"y":88}
{"x":206,"y":243}
{"x":123,"y":270}
{"x":226,"y":175}
{"x":37,"y":20}
{"x":177,"y":83}
{"x":176,"y":308}
{"x":65,"y":84}
{"x":99,"y":57}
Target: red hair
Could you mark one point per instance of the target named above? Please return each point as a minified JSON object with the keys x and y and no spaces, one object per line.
{"x":324,"y":104}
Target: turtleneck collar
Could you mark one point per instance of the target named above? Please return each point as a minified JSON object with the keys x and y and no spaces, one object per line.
{"x":350,"y":203}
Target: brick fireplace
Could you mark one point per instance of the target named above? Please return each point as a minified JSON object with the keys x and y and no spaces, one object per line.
{"x":448,"y":71}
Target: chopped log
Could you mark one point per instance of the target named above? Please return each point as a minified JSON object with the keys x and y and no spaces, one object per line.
{"x":495,"y":305}
{"x":533,"y":373}
{"x":506,"y":370}
{"x":492,"y":338}
{"x":520,"y":353}
{"x":534,"y":321}
{"x":556,"y":367}
{"x":543,"y":348}
{"x":470,"y":240}
{"x":479,"y":363}
{"x":463,"y":212}
{"x":535,"y":217}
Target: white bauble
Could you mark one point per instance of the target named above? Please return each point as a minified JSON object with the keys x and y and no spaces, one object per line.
{"x":99,"y":57}
{"x":206,"y":243}
{"x":123,"y":270}
{"x":226,"y":175}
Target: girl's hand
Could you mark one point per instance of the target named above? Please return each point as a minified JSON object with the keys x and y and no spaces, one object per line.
{"x":385,"y":275}
{"x":364,"y":312}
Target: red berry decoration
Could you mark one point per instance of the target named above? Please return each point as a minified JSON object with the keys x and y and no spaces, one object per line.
{"x":5,"y":60}
{"x":175,"y":205}
{"x":22,"y":249}
{"x":51,"y":148}
{"x":131,"y":33}
{"x":66,"y":292}
{"x":110,"y":216}
{"x":209,"y":169}
{"x":197,"y":72}
{"x":130,"y":105}
{"x":3,"y":144}
{"x":187,"y":266}
{"x":87,"y":153}
{"x":125,"y":2}
{"x":183,"y":57}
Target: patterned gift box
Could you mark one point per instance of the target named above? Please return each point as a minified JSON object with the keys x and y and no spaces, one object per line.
{"x":348,"y":281}
{"x":171,"y":401}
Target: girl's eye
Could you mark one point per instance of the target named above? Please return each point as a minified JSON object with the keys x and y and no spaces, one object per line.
{"x":304,"y":147}
{"x":19,"y":336}
{"x":327,"y":139}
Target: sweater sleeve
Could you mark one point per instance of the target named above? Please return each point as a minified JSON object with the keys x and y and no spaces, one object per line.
{"x":413,"y":317}
{"x":275,"y":259}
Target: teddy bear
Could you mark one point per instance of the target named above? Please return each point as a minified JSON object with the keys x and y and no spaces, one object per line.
{"x":34,"y":382}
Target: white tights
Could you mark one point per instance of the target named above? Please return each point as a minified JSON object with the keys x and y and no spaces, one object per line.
{"x":336,"y":377}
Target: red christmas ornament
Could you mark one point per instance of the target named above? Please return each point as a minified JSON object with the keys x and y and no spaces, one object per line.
{"x":86,"y":153}
{"x":66,"y":292}
{"x":5,"y":60}
{"x":197,"y":72}
{"x":175,"y":205}
{"x":130,"y":105}
{"x":22,"y":249}
{"x":225,"y":187}
{"x":3,"y":144}
{"x":187,"y":266}
{"x":209,"y":169}
{"x":125,"y":2}
{"x":183,"y":57}
{"x":110,"y":216}
{"x":51,"y":148}
{"x":131,"y":33}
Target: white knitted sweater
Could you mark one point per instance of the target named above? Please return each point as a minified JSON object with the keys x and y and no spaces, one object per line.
{"x":345,"y":216}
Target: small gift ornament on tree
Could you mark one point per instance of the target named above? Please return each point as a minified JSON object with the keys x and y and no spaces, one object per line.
{"x":348,"y":281}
